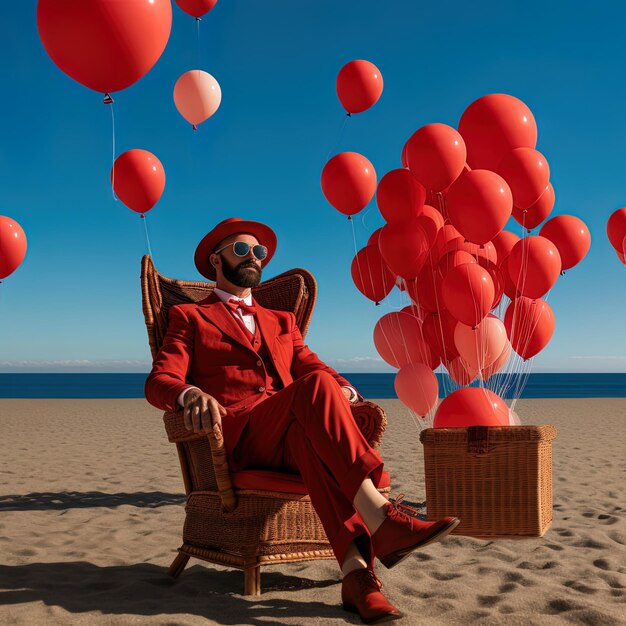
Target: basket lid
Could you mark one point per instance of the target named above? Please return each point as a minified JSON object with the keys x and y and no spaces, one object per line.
{"x":496,"y":434}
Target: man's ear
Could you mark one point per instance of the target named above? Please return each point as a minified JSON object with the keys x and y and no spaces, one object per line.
{"x":214,"y":260}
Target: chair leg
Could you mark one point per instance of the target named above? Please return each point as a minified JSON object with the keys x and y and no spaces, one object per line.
{"x":252,"y":580}
{"x":178,"y":565}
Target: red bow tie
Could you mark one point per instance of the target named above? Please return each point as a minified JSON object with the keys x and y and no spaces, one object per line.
{"x":233,"y":305}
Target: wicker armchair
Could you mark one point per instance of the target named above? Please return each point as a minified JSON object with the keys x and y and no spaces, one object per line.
{"x":254,"y":517}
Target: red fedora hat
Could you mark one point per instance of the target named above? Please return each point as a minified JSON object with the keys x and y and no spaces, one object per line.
{"x":232,"y":226}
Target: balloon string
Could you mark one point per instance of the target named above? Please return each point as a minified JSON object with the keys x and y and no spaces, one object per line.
{"x":198,"y":41}
{"x":113,"y":151}
{"x":339,"y":137}
{"x":145,"y":227}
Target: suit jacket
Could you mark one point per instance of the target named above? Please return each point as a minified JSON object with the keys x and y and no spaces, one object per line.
{"x":206,"y":347}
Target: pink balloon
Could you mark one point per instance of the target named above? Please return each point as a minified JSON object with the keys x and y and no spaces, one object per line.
{"x":461,"y":372}
{"x":417,"y":388}
{"x":482,"y":345}
{"x":499,"y":363}
{"x":472,"y":406}
{"x":197,"y":96}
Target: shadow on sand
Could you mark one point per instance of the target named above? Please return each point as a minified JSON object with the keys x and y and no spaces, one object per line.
{"x":146,"y":589}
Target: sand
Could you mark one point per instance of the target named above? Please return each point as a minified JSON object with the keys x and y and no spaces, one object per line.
{"x":91,"y":513}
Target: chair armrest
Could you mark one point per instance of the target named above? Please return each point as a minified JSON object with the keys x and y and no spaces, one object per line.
{"x":371,"y":420}
{"x":177,"y":433}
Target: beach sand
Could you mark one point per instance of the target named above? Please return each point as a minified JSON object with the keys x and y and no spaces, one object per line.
{"x":91,"y":513}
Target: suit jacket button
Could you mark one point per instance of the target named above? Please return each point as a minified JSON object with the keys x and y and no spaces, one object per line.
{"x":261,"y":389}
{"x":259,"y":363}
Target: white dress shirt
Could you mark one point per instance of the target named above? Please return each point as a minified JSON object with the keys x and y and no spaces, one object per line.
{"x":248,"y":320}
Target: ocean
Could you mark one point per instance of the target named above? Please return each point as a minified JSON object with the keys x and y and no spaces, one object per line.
{"x":538,"y":385}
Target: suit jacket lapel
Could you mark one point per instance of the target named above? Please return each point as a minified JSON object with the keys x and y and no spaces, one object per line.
{"x":215,"y":311}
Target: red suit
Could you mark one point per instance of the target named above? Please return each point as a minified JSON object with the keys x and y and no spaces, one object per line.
{"x":285,"y":407}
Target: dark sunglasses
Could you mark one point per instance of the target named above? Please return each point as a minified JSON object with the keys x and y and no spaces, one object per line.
{"x":241,"y":248}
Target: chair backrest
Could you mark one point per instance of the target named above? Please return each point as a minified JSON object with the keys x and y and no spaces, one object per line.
{"x":295,"y":291}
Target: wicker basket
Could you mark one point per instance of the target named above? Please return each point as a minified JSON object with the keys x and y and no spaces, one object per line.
{"x":496,"y":479}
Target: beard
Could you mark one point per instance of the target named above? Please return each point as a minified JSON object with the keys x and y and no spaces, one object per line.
{"x":239,"y":274}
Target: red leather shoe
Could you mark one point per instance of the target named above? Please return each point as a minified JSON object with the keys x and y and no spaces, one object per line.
{"x":360,"y":593}
{"x":401,"y":533}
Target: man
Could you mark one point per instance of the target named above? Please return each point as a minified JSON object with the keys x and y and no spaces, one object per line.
{"x":280,"y":407}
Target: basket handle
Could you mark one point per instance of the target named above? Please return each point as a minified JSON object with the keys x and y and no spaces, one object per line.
{"x":478,"y":439}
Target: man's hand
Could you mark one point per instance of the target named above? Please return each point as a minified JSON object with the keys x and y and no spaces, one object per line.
{"x":202,"y":411}
{"x":351,"y":396}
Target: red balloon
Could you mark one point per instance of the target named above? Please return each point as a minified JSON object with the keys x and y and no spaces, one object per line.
{"x":452,"y":259}
{"x":529,"y":325}
{"x":348,"y":182}
{"x":425,"y":289}
{"x":487,"y":251}
{"x":370,"y":274}
{"x":510,"y":288}
{"x":398,"y":339}
{"x":479,"y":204}
{"x":503,"y":242}
{"x":622,"y":255}
{"x":431,"y":221}
{"x":461,"y":372}
{"x":494,"y":125}
{"x":497,"y":276}
{"x":444,"y":236}
{"x":196,"y":8}
{"x":616,"y":228}
{"x":438,"y":331}
{"x":399,"y":196}
{"x":528,"y":174}
{"x":535,"y":214}
{"x":104,"y":45}
{"x":471,"y":406}
{"x":374,"y":237}
{"x":138,"y":179}
{"x":571,"y":237}
{"x":415,"y":310}
{"x":436,"y":155}
{"x":417,"y":388}
{"x":534,"y":266}
{"x":403,"y":157}
{"x":359,"y":85}
{"x":12,"y":245}
{"x":468,"y":293}
{"x":404,"y":247}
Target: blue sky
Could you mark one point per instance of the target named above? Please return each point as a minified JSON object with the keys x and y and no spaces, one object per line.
{"x":74,"y":304}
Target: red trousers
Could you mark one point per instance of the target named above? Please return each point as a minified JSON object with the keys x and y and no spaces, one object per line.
{"x":308,"y":428}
